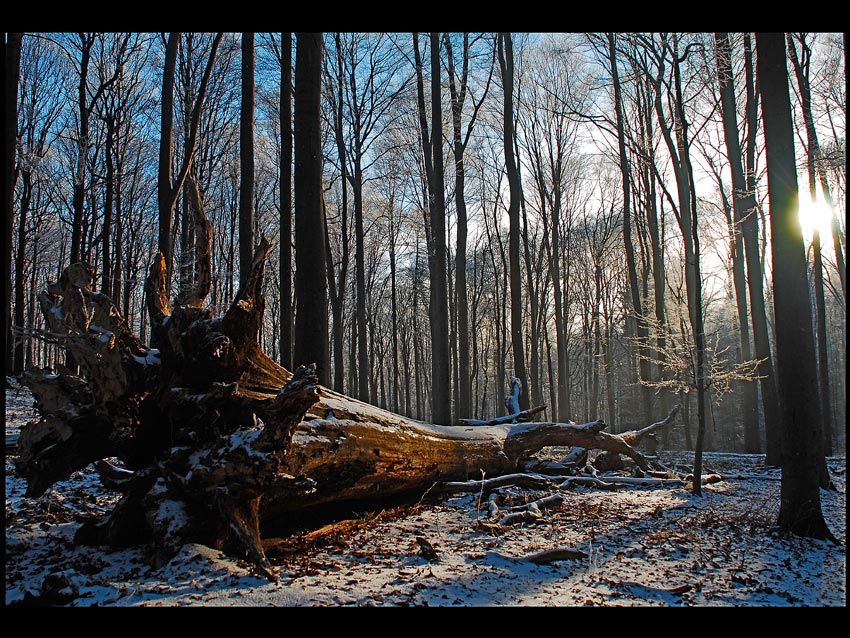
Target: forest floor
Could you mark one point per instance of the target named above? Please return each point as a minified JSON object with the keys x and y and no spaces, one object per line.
{"x":642,"y":546}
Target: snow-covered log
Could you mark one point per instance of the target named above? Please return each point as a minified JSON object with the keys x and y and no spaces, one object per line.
{"x":220,"y":439}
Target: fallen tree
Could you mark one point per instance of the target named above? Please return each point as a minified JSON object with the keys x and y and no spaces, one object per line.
{"x":216,"y":438}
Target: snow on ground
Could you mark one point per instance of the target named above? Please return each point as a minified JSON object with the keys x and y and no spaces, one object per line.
{"x":644,"y":546}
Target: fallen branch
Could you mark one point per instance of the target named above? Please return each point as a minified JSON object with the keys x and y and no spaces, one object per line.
{"x":485,"y":486}
{"x":531,"y":511}
{"x":587,"y":481}
{"x":516,"y":417}
{"x":551,"y":555}
{"x":646,"y":480}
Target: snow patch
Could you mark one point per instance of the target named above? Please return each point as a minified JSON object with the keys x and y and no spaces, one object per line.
{"x":151,"y":358}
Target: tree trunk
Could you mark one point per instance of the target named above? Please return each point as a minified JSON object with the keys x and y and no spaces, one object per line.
{"x":286,"y":203}
{"x":20,"y":275}
{"x":755,"y":276}
{"x":338,"y":299}
{"x":166,"y":210}
{"x":801,"y":70}
{"x":800,"y":507}
{"x":246,"y":159}
{"x":625,"y":171}
{"x":464,"y":390}
{"x":506,"y":64}
{"x":440,"y":371}
{"x":86,"y":43}
{"x":739,"y":188}
{"x":13,"y":73}
{"x":311,"y":315}
{"x":166,"y":191}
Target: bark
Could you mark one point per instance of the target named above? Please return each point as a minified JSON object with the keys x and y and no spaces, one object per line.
{"x":800,"y":507}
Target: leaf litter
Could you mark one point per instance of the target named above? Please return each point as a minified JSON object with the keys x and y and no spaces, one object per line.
{"x":645,"y":546}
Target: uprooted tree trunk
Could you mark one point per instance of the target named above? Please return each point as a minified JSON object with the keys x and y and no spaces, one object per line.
{"x":217,"y":438}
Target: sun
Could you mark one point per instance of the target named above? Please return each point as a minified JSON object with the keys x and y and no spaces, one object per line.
{"x":815,"y":215}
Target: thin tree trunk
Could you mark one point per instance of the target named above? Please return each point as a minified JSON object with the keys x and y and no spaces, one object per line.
{"x":108,"y":208}
{"x":86,"y":43}
{"x":395,"y":407}
{"x":506,"y":63}
{"x":625,"y":171}
{"x":246,"y":161}
{"x":166,"y":210}
{"x":168,"y":192}
{"x":20,"y":275}
{"x":739,"y":201}
{"x":338,"y":299}
{"x":13,"y":72}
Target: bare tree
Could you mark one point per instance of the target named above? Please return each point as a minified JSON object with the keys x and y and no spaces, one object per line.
{"x":801,"y":64}
{"x":625,"y":170}
{"x":506,"y":65}
{"x":800,"y":507}
{"x":458,"y":90}
{"x":742,"y":206}
{"x":13,"y":69}
{"x":84,"y":43}
{"x":169,"y":191}
{"x":311,"y":300}
{"x":286,"y":201}
{"x":246,"y":159}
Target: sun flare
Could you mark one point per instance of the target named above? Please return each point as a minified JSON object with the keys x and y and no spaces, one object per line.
{"x":815,"y":215}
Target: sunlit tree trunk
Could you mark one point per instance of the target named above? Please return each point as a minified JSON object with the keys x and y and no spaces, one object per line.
{"x":801,"y":70}
{"x":800,"y":507}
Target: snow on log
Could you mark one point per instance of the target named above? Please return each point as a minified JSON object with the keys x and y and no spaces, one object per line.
{"x":218,"y":438}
